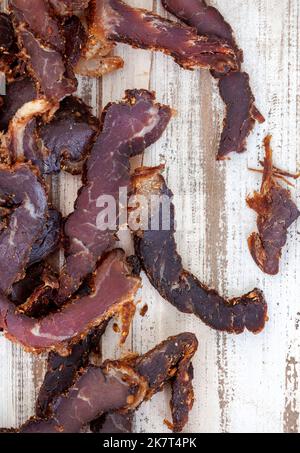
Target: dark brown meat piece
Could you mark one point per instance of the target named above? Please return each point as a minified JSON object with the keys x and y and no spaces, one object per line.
{"x":27,"y":195}
{"x":96,"y":391}
{"x":68,"y":138}
{"x":49,"y":238}
{"x":113,"y":20}
{"x":241,"y":113}
{"x":171,"y":361}
{"x":157,"y":251}
{"x":62,"y":371}
{"x":7,"y":34}
{"x":36,"y":14}
{"x":235,"y":90}
{"x":34,"y":278}
{"x":113,"y":288}
{"x":62,"y":143}
{"x":8,"y":47}
{"x":75,"y":38}
{"x":18,"y":93}
{"x":276,"y":213}
{"x":128,"y":128}
{"x":68,"y":7}
{"x":113,"y":423}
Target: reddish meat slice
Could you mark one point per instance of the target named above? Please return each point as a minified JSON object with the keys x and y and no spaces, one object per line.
{"x":276,"y":213}
{"x":235,"y":90}
{"x":62,"y":371}
{"x":47,"y":66}
{"x":113,"y":288}
{"x":113,"y":20}
{"x":37,"y":15}
{"x":18,"y":93}
{"x":27,"y":195}
{"x":95,"y":391}
{"x":157,"y":251}
{"x":127,"y":129}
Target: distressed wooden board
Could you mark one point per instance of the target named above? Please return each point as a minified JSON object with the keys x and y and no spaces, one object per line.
{"x":246,"y":383}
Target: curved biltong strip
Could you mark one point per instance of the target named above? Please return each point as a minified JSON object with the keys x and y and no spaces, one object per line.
{"x":96,"y":391}
{"x":276,"y":213}
{"x":113,"y":20}
{"x":47,"y":66}
{"x":157,"y":251}
{"x":113,"y":289}
{"x":128,"y":128}
{"x":241,"y":113}
{"x":235,"y":90}
{"x":61,"y":371}
{"x":18,"y":93}
{"x":26,"y":193}
{"x":171,"y":361}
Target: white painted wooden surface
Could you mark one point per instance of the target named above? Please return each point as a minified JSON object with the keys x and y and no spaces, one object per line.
{"x":243,"y":383}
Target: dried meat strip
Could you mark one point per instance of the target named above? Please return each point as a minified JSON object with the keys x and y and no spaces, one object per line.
{"x":158,"y":254}
{"x":47,"y":66}
{"x":128,"y":128}
{"x":43,"y":48}
{"x":27,"y":194}
{"x":235,"y":90}
{"x":97,"y":390}
{"x":169,"y":362}
{"x":62,"y":371}
{"x":276,"y":213}
{"x":241,"y":113}
{"x":113,"y":288}
{"x":113,"y":20}
{"x":7,"y":34}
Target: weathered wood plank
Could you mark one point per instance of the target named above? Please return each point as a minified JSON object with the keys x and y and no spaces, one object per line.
{"x":246,"y":383}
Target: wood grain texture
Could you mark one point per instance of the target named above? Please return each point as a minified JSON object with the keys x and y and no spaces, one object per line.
{"x":245,"y":383}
